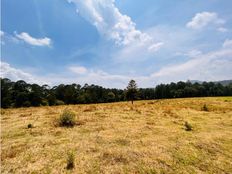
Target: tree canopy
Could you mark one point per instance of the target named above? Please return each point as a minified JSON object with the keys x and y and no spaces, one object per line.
{"x":22,"y":94}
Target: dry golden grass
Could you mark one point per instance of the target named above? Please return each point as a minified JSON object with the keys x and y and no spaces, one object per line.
{"x":148,"y":137}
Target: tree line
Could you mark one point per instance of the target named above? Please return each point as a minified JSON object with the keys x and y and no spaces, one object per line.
{"x":22,"y":94}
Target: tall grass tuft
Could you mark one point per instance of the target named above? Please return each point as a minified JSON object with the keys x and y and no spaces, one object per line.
{"x":70,"y":161}
{"x":205,"y":108}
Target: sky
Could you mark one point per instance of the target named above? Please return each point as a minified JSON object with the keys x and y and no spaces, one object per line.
{"x":109,"y":42}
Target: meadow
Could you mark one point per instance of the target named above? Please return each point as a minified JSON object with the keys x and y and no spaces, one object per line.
{"x":147,"y":137}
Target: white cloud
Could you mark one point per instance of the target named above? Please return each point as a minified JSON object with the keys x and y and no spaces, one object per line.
{"x":7,"y":71}
{"x":194,"y":53}
{"x":155,"y":47}
{"x":227,"y":43}
{"x":113,"y":25}
{"x":78,"y":69}
{"x":201,"y":20}
{"x":33,"y":41}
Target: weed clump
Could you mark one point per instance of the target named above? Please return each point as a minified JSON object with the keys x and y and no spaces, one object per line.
{"x":205,"y":108}
{"x":70,"y":161}
{"x":67,"y":118}
{"x":188,"y":126}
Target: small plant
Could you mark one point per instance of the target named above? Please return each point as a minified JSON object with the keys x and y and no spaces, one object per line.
{"x":188,"y":126}
{"x":70,"y":161}
{"x":205,"y":108}
{"x":67,"y":118}
{"x":29,"y":126}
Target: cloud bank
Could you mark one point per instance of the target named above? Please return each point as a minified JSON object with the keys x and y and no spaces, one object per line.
{"x":7,"y":71}
{"x":110,"y":22}
{"x":209,"y":66}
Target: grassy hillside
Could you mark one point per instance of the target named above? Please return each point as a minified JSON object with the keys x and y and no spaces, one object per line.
{"x":148,"y":137}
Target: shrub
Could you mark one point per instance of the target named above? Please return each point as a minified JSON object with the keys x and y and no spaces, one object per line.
{"x":59,"y":102}
{"x":29,"y":126}
{"x":44,"y":103}
{"x":26,"y":104}
{"x":70,"y":161}
{"x":67,"y":118}
{"x":205,"y":108}
{"x":188,"y":126}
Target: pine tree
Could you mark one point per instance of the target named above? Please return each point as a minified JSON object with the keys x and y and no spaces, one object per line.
{"x":131,"y":91}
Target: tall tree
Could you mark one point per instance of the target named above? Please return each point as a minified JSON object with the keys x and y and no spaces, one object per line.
{"x":131,"y":91}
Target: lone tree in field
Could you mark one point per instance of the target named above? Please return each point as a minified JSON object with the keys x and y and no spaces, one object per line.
{"x":131,"y":91}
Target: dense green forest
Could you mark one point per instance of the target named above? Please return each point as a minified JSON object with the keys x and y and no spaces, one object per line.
{"x":22,"y":94}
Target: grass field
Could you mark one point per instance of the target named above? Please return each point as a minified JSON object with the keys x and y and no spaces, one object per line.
{"x":148,"y":137}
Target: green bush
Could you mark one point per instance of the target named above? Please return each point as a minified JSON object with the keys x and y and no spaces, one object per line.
{"x":188,"y":126}
{"x":70,"y":161}
{"x":67,"y":118}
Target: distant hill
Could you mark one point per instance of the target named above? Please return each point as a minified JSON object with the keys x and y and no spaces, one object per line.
{"x":223,"y":82}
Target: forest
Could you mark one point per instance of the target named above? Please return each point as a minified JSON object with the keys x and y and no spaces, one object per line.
{"x":22,"y":94}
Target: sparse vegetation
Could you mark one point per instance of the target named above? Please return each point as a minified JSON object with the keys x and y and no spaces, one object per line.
{"x":205,"y":108}
{"x":67,"y":118}
{"x":188,"y":126}
{"x":150,"y":138}
{"x":70,"y":161}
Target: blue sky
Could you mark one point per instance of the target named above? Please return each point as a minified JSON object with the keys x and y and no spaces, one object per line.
{"x":109,"y":42}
